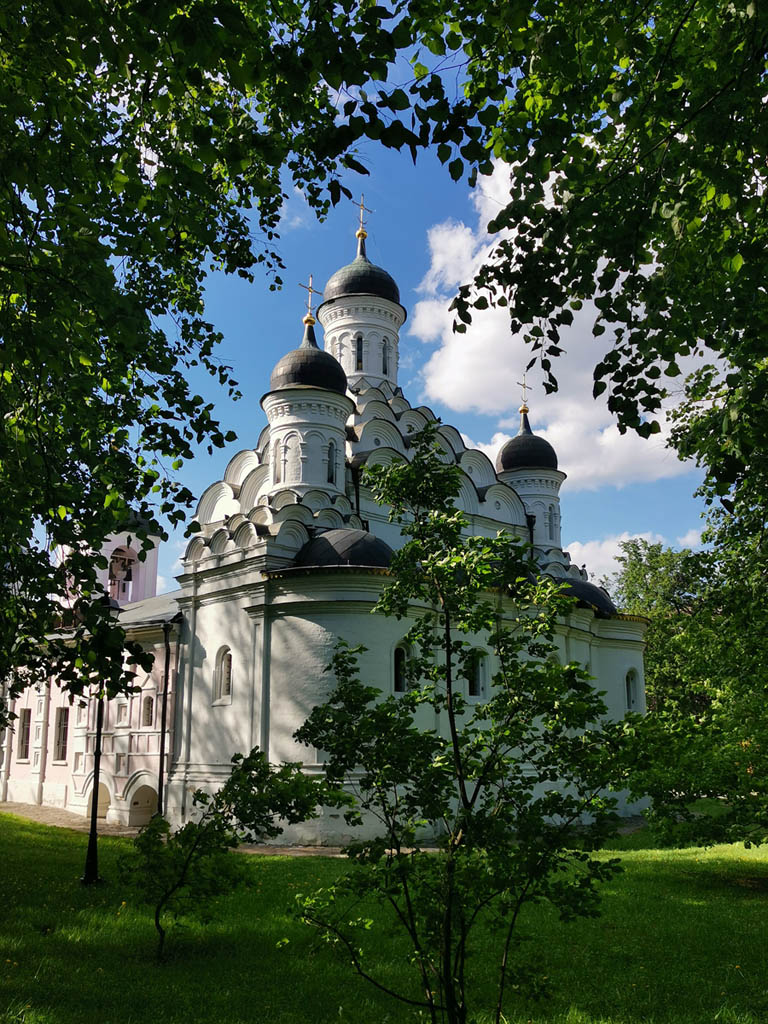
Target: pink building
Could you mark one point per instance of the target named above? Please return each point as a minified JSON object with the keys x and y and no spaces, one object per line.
{"x":48,"y":751}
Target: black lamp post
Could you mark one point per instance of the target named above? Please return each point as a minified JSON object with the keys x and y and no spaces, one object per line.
{"x":91,"y":873}
{"x":167,"y":627}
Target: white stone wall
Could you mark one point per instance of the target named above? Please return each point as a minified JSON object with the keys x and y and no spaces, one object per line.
{"x":540,"y":491}
{"x":374,"y":319}
{"x":304,"y":422}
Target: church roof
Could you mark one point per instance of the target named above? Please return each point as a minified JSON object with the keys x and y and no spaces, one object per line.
{"x":526,"y":450}
{"x":162,"y":608}
{"x":595,"y":597}
{"x":345,"y":547}
{"x":361,"y":277}
{"x":309,"y":366}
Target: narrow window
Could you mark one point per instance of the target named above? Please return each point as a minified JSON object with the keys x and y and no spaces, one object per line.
{"x":331,"y":463}
{"x":385,"y":358}
{"x":25,"y":724}
{"x":122,"y":714}
{"x":278,"y":460}
{"x":359,"y":352}
{"x":476,"y":674}
{"x":551,"y":522}
{"x":222,"y":688}
{"x":148,"y":711}
{"x":62,"y":733}
{"x":630,"y":684}
{"x":400,"y":680}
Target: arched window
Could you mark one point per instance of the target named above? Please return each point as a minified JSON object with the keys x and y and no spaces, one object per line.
{"x":148,"y":711}
{"x":121,"y":567}
{"x":222,"y":681}
{"x":630,"y":690}
{"x":400,"y":681}
{"x":551,"y":522}
{"x":359,"y":352}
{"x":476,"y":680}
{"x":385,"y":358}
{"x":278,"y":462}
{"x":331,"y":462}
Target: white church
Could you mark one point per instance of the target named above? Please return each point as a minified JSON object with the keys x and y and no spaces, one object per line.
{"x":291,"y":556}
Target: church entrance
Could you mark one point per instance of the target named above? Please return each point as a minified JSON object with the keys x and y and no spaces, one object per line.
{"x":143,"y":806}
{"x":103,"y":802}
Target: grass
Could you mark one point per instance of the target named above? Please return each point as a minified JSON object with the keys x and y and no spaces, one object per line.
{"x":681,"y":940}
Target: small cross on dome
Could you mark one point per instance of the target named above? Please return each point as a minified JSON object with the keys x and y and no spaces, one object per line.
{"x":526,"y":387}
{"x":309,"y":317}
{"x":361,"y":232}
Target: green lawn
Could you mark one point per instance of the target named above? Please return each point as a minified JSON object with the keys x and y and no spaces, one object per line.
{"x":682,"y":938}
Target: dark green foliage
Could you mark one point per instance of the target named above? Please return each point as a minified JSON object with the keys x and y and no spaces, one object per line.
{"x":144,"y":144}
{"x":509,"y":790}
{"x":702,"y":751}
{"x":676,"y":592}
{"x":180,"y":873}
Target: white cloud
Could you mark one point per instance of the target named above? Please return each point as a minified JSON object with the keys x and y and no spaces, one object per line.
{"x":479,"y":371}
{"x":691,"y":539}
{"x":599,"y":556}
{"x":296,"y":212}
{"x":162,"y":584}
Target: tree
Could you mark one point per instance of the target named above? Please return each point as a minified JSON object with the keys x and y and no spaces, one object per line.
{"x":138,"y":138}
{"x":636,"y":141}
{"x":508,"y":789}
{"x":701,"y":752}
{"x":180,"y":873}
{"x":146,"y":143}
{"x":671,"y":588}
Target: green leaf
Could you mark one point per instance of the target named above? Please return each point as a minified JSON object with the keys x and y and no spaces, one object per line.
{"x":456,"y":168}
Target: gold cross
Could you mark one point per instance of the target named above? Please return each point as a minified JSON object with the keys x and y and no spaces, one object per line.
{"x":310,"y":292}
{"x":361,"y":232}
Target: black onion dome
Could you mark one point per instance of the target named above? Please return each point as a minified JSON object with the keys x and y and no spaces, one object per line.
{"x":526,"y":450}
{"x":345,"y":547}
{"x":361,"y":277}
{"x":588,"y":593}
{"x":309,"y":366}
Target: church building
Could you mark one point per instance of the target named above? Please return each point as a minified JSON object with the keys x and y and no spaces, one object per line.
{"x":291,"y":556}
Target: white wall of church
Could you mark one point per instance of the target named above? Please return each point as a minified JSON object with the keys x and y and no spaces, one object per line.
{"x":376,"y":322}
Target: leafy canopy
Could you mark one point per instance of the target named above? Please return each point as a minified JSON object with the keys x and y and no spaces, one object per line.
{"x":145,"y":144}
{"x":701,"y":751}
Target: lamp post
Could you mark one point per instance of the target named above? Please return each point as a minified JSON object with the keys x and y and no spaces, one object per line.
{"x":91,"y":872}
{"x":167,"y":627}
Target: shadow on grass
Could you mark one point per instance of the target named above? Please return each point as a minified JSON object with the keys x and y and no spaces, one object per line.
{"x":680,"y":941}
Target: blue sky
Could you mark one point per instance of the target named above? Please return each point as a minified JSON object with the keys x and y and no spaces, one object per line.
{"x":429,"y":233}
